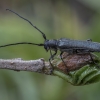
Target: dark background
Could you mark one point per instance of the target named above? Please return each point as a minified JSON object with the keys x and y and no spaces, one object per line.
{"x":75,"y":19}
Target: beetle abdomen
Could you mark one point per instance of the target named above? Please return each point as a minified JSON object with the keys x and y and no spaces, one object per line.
{"x":77,"y":44}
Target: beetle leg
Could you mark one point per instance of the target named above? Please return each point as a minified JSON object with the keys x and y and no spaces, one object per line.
{"x":52,"y":56}
{"x":89,"y":40}
{"x":63,"y":60}
{"x":94,"y":61}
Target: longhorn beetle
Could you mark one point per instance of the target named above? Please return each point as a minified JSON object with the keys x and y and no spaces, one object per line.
{"x":63,"y":44}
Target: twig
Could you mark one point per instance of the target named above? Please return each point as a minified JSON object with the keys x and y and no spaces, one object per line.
{"x":18,"y":64}
{"x":73,"y":62}
{"x":83,"y":68}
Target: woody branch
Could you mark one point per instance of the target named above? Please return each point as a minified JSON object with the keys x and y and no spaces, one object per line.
{"x":18,"y":64}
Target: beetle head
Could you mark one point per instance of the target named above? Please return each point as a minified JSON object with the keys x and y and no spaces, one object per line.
{"x":46,"y":45}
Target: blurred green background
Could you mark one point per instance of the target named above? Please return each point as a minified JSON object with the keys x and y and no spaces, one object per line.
{"x":75,"y":19}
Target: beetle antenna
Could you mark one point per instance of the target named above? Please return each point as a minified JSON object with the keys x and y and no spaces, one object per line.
{"x":21,"y":43}
{"x":44,"y":36}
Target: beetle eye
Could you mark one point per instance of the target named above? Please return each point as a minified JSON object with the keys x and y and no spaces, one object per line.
{"x":46,"y":47}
